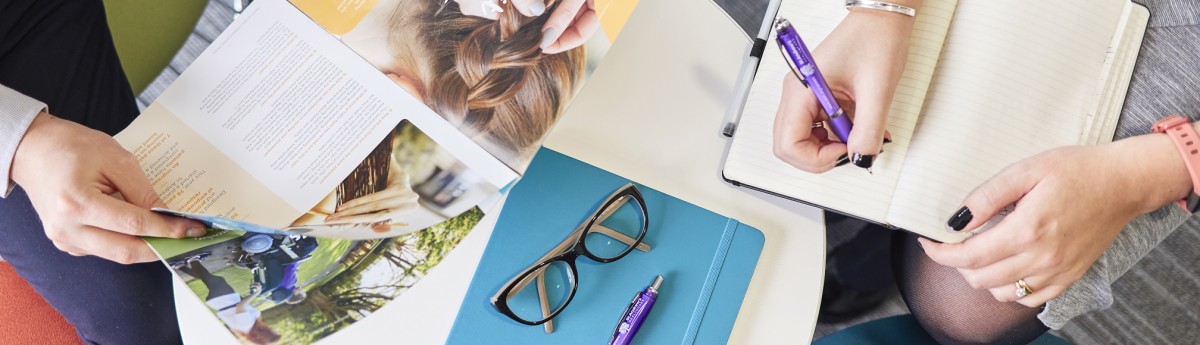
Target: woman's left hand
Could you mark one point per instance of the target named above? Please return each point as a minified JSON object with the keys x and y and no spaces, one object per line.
{"x":1070,"y":204}
{"x":389,"y":204}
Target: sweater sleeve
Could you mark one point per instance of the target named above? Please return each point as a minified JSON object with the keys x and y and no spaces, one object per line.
{"x":16,"y":113}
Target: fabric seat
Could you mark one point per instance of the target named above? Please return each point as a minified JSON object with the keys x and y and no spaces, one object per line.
{"x":28,"y":319}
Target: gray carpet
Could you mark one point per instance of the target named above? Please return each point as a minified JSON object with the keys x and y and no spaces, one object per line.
{"x":748,"y":14}
{"x":1155,"y":302}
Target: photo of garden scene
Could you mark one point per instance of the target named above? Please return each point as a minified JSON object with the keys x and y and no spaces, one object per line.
{"x":342,"y":281}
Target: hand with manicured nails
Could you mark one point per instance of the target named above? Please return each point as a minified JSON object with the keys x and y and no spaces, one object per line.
{"x":91,"y":194}
{"x":389,"y":204}
{"x":861,"y":60}
{"x":569,"y":26}
{"x":1070,"y":204}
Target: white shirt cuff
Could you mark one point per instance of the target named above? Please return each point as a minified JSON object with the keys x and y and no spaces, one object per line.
{"x":16,"y":113}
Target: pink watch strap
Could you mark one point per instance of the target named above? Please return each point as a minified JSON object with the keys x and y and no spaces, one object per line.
{"x":1180,"y":130}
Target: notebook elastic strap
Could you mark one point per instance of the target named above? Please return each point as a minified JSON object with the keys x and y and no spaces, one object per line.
{"x":710,"y":281}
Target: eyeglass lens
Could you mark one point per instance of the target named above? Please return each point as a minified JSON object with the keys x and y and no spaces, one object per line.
{"x":554,"y":281}
{"x":617,"y":228}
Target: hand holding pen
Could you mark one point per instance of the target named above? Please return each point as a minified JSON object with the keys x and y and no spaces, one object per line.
{"x":861,"y":62}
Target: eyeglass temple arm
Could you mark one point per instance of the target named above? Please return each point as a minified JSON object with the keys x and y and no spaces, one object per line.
{"x":604,"y":230}
{"x":540,"y":278}
{"x":541,"y":288}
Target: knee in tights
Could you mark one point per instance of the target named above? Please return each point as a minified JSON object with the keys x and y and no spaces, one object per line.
{"x":950,"y":310}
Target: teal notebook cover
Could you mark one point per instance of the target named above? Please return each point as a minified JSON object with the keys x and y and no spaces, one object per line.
{"x":706,"y":261}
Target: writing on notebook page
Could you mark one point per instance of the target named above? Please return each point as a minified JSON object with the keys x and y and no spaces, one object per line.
{"x":751,"y":156}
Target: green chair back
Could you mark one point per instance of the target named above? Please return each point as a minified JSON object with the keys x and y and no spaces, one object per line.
{"x":148,"y":34}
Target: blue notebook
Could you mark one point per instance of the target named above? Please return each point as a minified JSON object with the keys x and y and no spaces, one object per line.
{"x":706,"y":261}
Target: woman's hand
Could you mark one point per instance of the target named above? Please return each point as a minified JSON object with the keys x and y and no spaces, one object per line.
{"x":571,"y":24}
{"x":389,"y":204}
{"x":92,"y":196}
{"x":1070,"y":204}
{"x":862,"y":60}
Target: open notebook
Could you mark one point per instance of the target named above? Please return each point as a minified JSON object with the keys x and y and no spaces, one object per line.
{"x":987,"y":83}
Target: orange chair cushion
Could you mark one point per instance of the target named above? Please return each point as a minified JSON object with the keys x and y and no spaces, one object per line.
{"x":25,"y":317}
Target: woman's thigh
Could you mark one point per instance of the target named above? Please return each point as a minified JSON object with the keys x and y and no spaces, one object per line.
{"x":108,"y":303}
{"x":949,"y":309}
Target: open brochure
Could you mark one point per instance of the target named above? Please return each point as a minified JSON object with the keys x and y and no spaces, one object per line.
{"x":357,"y":141}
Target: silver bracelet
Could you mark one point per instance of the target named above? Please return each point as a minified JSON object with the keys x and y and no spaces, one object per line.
{"x":880,"y":5}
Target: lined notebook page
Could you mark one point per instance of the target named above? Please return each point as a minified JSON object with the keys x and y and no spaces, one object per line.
{"x":847,"y":189}
{"x":1015,"y":79}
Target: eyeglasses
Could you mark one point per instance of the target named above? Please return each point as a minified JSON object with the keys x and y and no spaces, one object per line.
{"x":540,"y":292}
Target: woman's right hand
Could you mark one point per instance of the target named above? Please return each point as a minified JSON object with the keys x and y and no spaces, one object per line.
{"x":861,"y":60}
{"x":91,"y":194}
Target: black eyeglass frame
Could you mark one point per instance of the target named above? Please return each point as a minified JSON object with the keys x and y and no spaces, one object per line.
{"x":568,"y":255}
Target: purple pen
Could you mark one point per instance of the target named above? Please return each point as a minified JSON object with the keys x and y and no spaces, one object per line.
{"x":805,"y":68}
{"x":635,"y":314}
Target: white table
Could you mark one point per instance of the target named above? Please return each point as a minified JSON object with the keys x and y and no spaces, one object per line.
{"x":651,"y":113}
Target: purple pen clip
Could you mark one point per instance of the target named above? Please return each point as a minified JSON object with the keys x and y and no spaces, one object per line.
{"x":801,"y":61}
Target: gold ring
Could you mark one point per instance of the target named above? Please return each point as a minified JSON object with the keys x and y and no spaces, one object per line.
{"x":1023,"y":289}
{"x":818,"y":124}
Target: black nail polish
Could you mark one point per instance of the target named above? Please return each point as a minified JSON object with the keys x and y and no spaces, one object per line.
{"x":842,"y":161}
{"x":960,"y":219}
{"x":862,"y":161}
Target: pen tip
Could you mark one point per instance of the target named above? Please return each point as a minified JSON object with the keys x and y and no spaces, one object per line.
{"x":870,"y":172}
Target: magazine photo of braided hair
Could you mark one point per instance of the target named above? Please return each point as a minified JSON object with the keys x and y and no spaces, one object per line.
{"x":489,"y":77}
